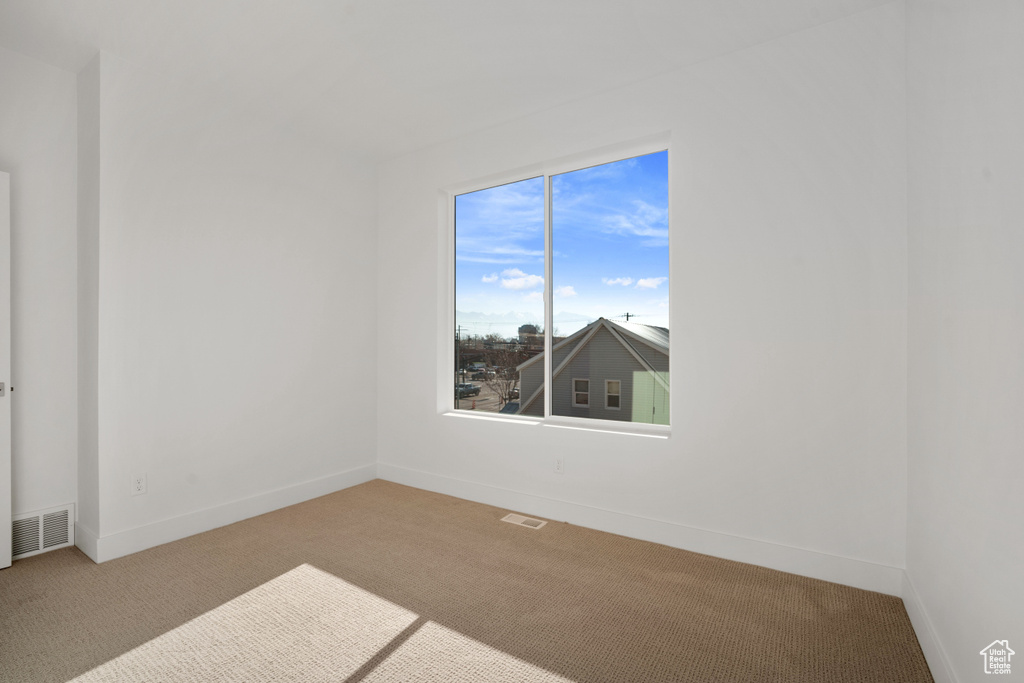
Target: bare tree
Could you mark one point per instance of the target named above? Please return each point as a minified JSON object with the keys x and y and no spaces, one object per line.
{"x":503,"y":377}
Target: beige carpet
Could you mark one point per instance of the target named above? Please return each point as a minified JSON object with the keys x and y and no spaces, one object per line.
{"x":383,"y":582}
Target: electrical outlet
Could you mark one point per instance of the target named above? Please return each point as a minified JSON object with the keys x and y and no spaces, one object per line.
{"x":138,"y":484}
{"x":559,"y":464}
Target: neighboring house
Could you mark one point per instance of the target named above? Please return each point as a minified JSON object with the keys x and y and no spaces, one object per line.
{"x":607,"y":370}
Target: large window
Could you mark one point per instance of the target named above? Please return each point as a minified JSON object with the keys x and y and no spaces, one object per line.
{"x":561,"y":281}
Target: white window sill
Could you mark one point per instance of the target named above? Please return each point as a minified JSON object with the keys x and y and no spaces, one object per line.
{"x":493,"y":417}
{"x":579,"y":424}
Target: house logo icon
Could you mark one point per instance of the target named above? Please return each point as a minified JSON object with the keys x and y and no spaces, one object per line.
{"x":997,"y":657}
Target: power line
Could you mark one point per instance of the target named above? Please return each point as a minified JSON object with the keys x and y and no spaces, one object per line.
{"x":627,"y":316}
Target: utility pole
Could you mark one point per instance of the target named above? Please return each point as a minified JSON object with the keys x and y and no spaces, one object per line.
{"x":629,"y":315}
{"x":458,"y":364}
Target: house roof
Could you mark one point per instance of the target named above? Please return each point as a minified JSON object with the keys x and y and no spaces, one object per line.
{"x":655,"y":337}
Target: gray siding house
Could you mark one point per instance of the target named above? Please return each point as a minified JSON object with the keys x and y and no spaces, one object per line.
{"x":607,"y":370}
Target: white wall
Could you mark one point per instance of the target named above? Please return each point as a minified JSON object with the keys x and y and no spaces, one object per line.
{"x":37,"y":147}
{"x":236,"y":348}
{"x":788,"y":306}
{"x":965,"y":543}
{"x":88,"y":509}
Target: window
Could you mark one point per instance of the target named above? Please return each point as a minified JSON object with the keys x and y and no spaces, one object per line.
{"x":499,"y":283}
{"x":560,"y":277}
{"x":581,"y":393}
{"x":612,"y":387}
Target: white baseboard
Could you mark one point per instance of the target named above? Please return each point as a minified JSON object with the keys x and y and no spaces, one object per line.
{"x":103,"y":548}
{"x":85,"y":539}
{"x":934,"y":653}
{"x":850,"y":572}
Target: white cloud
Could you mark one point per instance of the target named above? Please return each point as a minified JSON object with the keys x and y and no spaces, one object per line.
{"x":501,"y":225}
{"x":534,"y":296}
{"x":493,"y":277}
{"x":645,"y":221}
{"x":565,"y":291}
{"x":624,"y":281}
{"x":473,"y":253}
{"x":513,"y":278}
{"x":489,"y":259}
{"x":650,"y":282}
{"x":515,"y":251}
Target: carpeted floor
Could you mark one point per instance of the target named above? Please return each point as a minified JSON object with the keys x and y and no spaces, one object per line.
{"x":382,"y":582}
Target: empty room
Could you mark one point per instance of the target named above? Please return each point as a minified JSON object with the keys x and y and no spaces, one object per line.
{"x":385,"y":340}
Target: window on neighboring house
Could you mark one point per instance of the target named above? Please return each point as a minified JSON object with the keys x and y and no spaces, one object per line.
{"x":612,"y":387}
{"x":572,"y":263}
{"x":581,"y":393}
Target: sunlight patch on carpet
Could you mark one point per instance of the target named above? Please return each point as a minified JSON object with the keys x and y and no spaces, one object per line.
{"x":305,"y":625}
{"x":435,"y":653}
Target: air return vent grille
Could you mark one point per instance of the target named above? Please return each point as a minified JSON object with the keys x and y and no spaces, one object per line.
{"x":37,"y":532}
{"x":56,"y":529}
{"x":528,"y":522}
{"x":26,"y":536}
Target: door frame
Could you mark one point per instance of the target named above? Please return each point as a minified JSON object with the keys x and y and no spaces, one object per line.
{"x":6,"y":492}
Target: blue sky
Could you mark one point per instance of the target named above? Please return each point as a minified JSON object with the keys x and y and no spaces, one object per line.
{"x":610,"y":237}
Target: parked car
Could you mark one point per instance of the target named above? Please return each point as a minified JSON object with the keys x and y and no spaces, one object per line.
{"x":464,"y":390}
{"x":483,"y":374}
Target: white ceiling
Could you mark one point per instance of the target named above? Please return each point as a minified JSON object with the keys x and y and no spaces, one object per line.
{"x":381,"y":78}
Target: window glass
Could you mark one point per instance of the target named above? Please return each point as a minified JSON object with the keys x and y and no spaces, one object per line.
{"x":499,"y":295}
{"x":581,"y":392}
{"x":610,"y":275}
{"x":607,"y":300}
{"x":612,"y":394}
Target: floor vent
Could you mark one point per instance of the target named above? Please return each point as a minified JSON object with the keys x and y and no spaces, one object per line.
{"x":38,"y":532}
{"x":528,"y":522}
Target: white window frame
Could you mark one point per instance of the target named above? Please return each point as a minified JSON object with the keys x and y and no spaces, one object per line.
{"x":446,"y":342}
{"x":575,"y":393}
{"x":618,"y":395}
